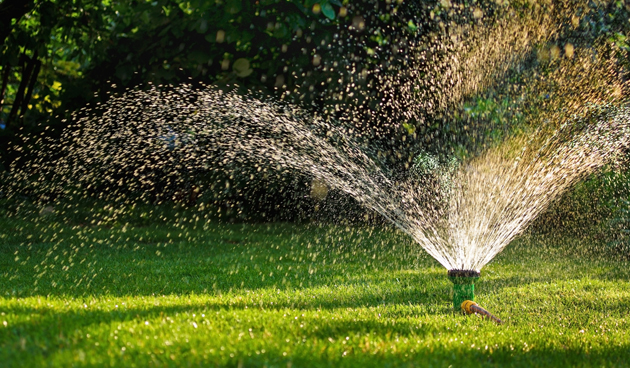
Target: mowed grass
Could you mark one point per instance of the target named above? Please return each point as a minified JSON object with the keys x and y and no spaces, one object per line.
{"x":184,"y":292}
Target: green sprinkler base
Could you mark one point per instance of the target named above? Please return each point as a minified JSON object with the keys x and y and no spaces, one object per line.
{"x":463,"y":286}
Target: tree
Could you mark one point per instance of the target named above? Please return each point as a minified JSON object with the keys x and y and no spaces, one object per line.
{"x":11,"y":10}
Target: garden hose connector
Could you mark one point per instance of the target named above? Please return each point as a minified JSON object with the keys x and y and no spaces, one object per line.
{"x":463,"y":286}
{"x":470,"y":307}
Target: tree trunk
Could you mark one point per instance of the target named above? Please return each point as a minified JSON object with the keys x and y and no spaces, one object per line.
{"x":31,"y":85}
{"x":5,"y":81}
{"x":27,"y":70}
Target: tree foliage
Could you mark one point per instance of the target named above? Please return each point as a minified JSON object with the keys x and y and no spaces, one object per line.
{"x":59,"y":55}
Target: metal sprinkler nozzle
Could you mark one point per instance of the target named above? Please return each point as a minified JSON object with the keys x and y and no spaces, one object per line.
{"x":470,"y":307}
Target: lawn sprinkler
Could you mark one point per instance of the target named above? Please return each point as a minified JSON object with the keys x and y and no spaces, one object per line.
{"x":471,"y":307}
{"x":463,"y":286}
{"x":464,"y":293}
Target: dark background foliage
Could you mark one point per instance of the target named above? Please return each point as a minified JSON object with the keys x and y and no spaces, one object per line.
{"x":57,"y":56}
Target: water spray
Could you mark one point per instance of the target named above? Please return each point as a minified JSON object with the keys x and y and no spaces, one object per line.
{"x":471,"y":307}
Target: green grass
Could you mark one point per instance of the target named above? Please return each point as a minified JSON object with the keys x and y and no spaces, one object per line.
{"x":189,"y":293}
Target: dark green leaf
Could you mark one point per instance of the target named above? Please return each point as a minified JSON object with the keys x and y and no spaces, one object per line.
{"x":328,"y":10}
{"x":233,"y":6}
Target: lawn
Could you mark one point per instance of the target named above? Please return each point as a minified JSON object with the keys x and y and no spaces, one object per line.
{"x":188,"y":292}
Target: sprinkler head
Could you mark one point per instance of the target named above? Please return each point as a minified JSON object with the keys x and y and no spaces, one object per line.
{"x":463,"y":273}
{"x":463,"y":286}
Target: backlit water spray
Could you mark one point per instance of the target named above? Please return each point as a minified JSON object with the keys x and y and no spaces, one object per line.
{"x":163,"y":135}
{"x":492,"y":200}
